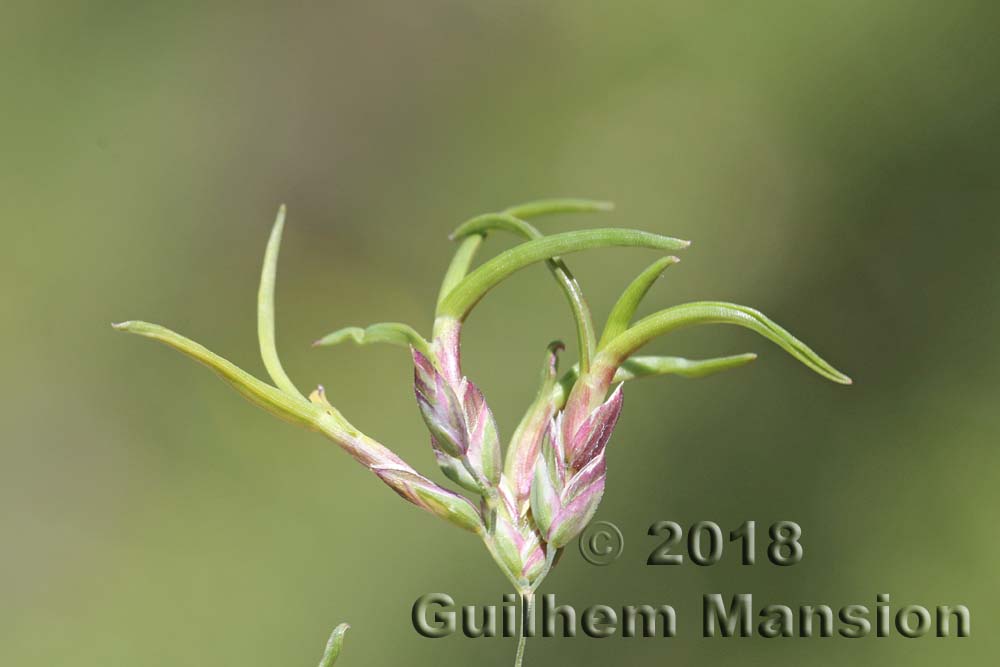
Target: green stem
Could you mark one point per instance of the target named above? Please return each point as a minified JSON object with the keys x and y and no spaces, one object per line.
{"x":527,"y":604}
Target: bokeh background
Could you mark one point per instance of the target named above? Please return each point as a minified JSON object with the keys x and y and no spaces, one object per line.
{"x":835,"y":164}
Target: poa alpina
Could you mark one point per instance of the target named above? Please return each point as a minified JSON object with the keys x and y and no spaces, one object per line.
{"x":529,"y":500}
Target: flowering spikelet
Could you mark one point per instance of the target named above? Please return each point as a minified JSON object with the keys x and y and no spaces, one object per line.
{"x":570,"y":473}
{"x":398,"y":475}
{"x":425,"y":494}
{"x":463,"y":431}
{"x":526,"y":443}
{"x":517,"y":539}
{"x":440,"y":407}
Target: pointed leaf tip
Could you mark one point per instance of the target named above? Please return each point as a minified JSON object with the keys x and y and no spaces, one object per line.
{"x":716,"y":312}
{"x":334,"y":645}
{"x":272,"y":399}
{"x":624,"y":309}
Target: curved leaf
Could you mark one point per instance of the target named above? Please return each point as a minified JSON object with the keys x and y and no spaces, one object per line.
{"x":714,"y":312}
{"x":635,"y":368}
{"x":459,"y":265}
{"x":628,"y":302}
{"x":265,"y":309}
{"x":462,"y":260}
{"x":567,"y":282}
{"x":395,"y":333}
{"x":279,"y":403}
{"x":488,"y":222}
{"x":474,"y":286}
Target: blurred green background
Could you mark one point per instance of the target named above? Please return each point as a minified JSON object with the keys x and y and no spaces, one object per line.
{"x":834,"y":163}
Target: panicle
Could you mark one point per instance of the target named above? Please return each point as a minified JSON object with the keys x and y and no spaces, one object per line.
{"x":541,"y":496}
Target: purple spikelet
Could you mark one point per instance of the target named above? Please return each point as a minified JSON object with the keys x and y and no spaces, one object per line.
{"x":463,"y":432}
{"x":570,"y":473}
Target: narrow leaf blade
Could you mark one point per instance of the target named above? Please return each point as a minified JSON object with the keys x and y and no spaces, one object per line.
{"x":288,"y":407}
{"x":466,"y":252}
{"x":265,"y":309}
{"x":474,"y":286}
{"x":640,"y":367}
{"x":488,"y":222}
{"x":624,"y":309}
{"x":716,"y":312}
{"x":459,"y":266}
{"x":334,"y":645}
{"x":542,"y":207}
{"x":586,"y":340}
{"x":394,"y":333}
